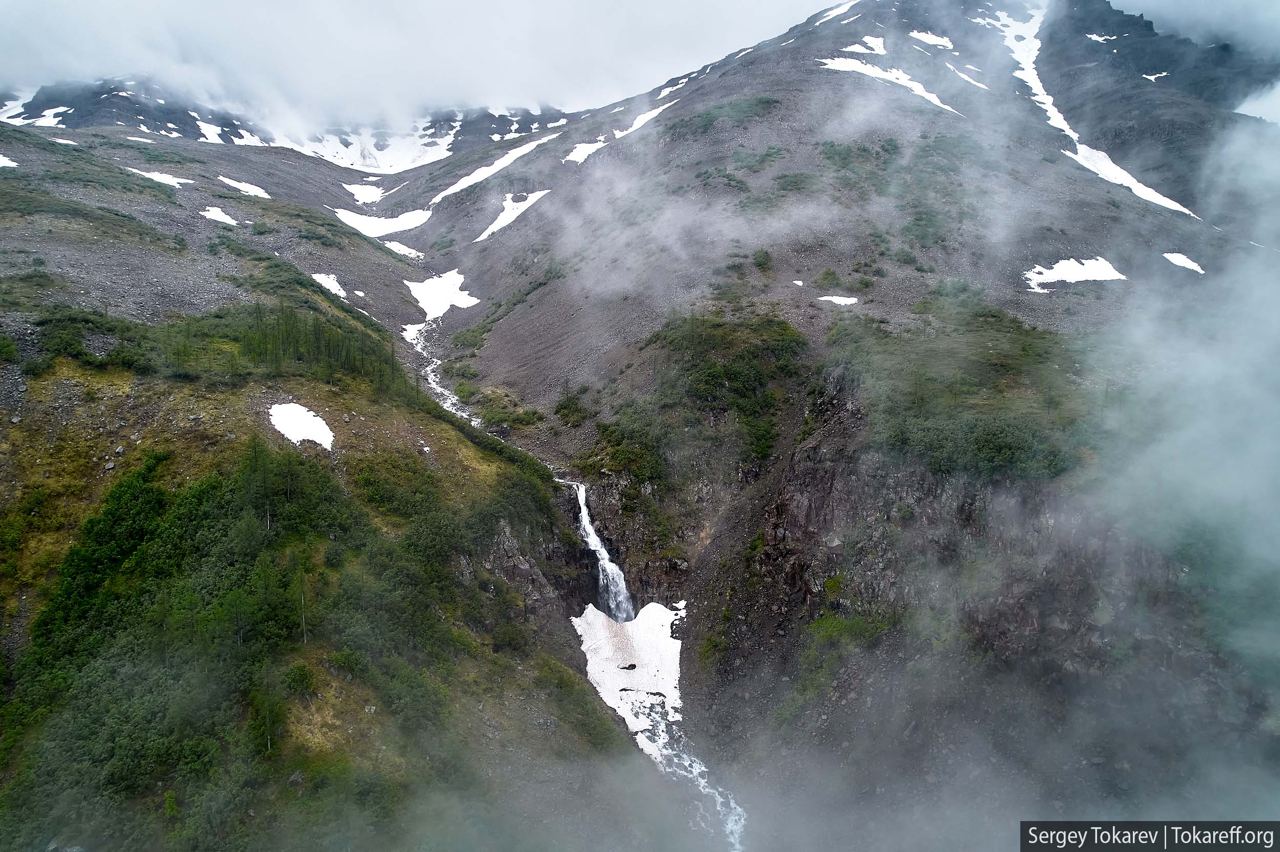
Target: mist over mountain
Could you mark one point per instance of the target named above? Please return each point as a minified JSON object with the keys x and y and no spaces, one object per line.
{"x":690,"y":428}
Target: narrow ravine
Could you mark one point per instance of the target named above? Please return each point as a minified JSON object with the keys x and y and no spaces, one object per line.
{"x":633,"y":659}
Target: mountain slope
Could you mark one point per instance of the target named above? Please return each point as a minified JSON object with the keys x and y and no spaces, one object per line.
{"x":848,"y":334}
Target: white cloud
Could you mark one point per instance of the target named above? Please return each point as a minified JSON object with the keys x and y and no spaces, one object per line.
{"x":340,"y":61}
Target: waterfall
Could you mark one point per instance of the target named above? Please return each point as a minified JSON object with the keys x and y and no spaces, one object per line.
{"x":615,"y":600}
{"x":633,"y":661}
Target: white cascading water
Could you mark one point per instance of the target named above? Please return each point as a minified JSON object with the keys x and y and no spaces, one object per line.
{"x":633,"y":661}
{"x":614,"y":597}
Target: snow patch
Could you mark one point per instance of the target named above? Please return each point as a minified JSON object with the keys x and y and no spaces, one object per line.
{"x":401,"y":248}
{"x":1178,"y":259}
{"x":161,"y":177}
{"x":366,"y":194}
{"x":64,"y":141}
{"x":492,"y":169}
{"x":437,"y":295}
{"x":893,"y":75}
{"x":839,"y":300}
{"x":245,"y":188}
{"x":835,"y":12}
{"x":1100,"y":39}
{"x":872,"y":44}
{"x":6,"y":163}
{"x":966,"y":77}
{"x":1071,"y":271}
{"x":643,"y":119}
{"x":217,"y":215}
{"x":299,"y":423}
{"x":931,"y":39}
{"x":1154,"y":77}
{"x":583,"y":150}
{"x":668,"y":90}
{"x":1021,"y":39}
{"x":379,"y":226}
{"x":511,"y":210}
{"x":140,"y":139}
{"x":330,"y":283}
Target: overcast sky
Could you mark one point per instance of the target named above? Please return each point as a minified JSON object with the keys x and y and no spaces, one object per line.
{"x":349,"y":60}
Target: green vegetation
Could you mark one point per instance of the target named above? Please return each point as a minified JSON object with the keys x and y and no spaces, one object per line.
{"x":733,"y":365}
{"x":972,"y":390}
{"x":25,"y":290}
{"x":832,"y":638}
{"x":65,"y":164}
{"x":829,"y":279}
{"x":19,"y":200}
{"x":738,"y":113}
{"x":762,"y":261}
{"x":930,"y":188}
{"x":572,"y":411}
{"x":861,"y":168}
{"x":709,"y":177}
{"x":164,"y":696}
{"x":754,"y":162}
{"x":473,"y":338}
{"x":8,"y":349}
{"x":498,"y":408}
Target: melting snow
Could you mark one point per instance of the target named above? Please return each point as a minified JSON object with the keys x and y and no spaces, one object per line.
{"x":330,"y":283}
{"x":140,"y":139}
{"x":375,"y":151}
{"x":668,"y":90}
{"x":365,"y":194}
{"x":835,"y":12}
{"x":798,"y":283}
{"x":1071,"y":271}
{"x":6,"y":163}
{"x":511,"y":210}
{"x":1020,"y":37}
{"x":217,"y":215}
{"x":211,"y":133}
{"x":161,"y":177}
{"x":874,"y":44}
{"x":744,"y":53}
{"x":64,"y":141}
{"x":893,"y":75}
{"x":839,"y":300}
{"x":787,"y":42}
{"x":378,"y":226}
{"x":437,"y":295}
{"x":583,"y":150}
{"x":245,"y":188}
{"x":490,"y":170}
{"x":561,"y":123}
{"x":1100,"y":39}
{"x":931,"y":39}
{"x":1154,"y":77}
{"x":643,"y":119}
{"x":1182,"y":260}
{"x":635,"y":667}
{"x":401,"y":248}
{"x":299,"y":423}
{"x":966,"y":77}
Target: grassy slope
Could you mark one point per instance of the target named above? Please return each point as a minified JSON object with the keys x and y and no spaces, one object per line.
{"x":214,"y":639}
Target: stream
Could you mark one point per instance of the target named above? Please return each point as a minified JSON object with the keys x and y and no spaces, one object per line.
{"x":633,"y":659}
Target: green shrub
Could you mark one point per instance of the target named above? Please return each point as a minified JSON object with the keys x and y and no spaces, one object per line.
{"x":975,"y":391}
{"x":739,"y":113}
